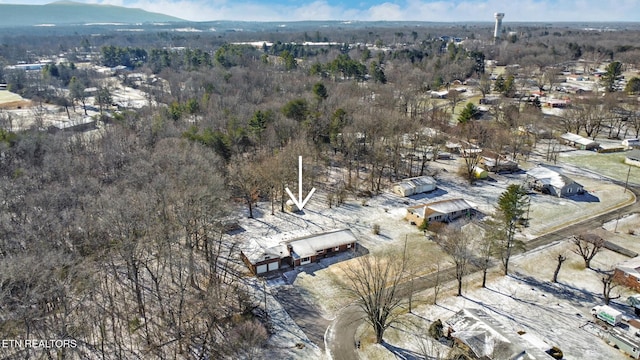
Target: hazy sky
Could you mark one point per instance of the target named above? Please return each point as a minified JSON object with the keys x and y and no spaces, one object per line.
{"x":419,"y":10}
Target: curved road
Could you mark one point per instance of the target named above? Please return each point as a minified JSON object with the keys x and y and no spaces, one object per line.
{"x":340,"y":336}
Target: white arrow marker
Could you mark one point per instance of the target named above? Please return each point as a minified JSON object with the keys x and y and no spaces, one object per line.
{"x":300,"y":203}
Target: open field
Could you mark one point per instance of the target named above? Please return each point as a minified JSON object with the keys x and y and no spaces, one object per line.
{"x":611,"y":165}
{"x":9,"y":100}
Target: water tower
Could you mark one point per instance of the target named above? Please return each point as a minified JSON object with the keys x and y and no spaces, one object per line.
{"x":498,"y":29}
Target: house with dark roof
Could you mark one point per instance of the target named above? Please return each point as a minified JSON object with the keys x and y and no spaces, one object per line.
{"x":440,"y":211}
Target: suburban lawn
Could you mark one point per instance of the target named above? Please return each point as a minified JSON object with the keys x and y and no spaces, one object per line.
{"x":611,"y":165}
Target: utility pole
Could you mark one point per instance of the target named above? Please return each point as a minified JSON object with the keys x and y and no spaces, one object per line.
{"x":626,"y":183}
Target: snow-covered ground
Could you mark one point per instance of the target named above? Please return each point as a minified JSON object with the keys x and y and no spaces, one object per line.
{"x":525,"y":302}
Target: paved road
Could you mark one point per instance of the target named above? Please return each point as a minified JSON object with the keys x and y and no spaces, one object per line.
{"x":342,"y":331}
{"x":304,"y":314}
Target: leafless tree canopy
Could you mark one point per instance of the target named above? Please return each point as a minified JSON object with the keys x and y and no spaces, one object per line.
{"x":587,"y":245}
{"x":374,"y":284}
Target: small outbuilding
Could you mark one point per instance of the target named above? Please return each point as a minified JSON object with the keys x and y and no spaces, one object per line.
{"x":414,"y":185}
{"x":480,"y":173}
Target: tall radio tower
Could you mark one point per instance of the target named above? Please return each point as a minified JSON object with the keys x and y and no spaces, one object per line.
{"x":498,"y":29}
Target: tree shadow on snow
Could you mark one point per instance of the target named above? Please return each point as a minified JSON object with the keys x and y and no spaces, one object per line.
{"x":401,"y":353}
{"x":560,"y":290}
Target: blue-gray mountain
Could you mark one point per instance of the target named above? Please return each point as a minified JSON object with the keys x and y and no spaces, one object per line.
{"x":68,"y":13}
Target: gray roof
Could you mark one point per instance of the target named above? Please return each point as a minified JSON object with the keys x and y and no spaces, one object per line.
{"x":633,"y":155}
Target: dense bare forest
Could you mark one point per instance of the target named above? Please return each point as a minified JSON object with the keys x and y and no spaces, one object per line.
{"x":119,"y":241}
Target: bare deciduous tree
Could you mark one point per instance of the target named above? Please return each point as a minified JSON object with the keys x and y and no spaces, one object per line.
{"x":587,"y":245}
{"x":374,"y":283}
{"x":607,"y":286}
{"x":457,"y":243}
{"x":561,"y":258}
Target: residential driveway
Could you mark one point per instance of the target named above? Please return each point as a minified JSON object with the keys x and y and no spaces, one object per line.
{"x":303,"y":313}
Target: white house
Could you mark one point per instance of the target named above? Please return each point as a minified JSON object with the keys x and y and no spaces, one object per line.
{"x":631,"y":143}
{"x":414,"y":185}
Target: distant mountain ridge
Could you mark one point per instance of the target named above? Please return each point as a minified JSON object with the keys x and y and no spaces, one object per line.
{"x":69,"y":12}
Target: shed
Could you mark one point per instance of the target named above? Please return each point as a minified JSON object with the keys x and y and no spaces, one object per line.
{"x":480,"y":173}
{"x":414,"y":185}
{"x":632,"y":158}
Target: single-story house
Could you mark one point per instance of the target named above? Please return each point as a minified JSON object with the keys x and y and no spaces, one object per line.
{"x":632,"y":158}
{"x":439,"y":94}
{"x":549,"y":181}
{"x":631,"y":143}
{"x":627,"y":273}
{"x":579,"y":142}
{"x":290,"y":249}
{"x":481,"y":336}
{"x":263,"y":255}
{"x":498,"y":164}
{"x":557,"y":103}
{"x":311,"y":248}
{"x":414,"y":185}
{"x":440,"y":211}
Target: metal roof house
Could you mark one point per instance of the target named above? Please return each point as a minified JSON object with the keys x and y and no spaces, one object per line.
{"x":414,"y":185}
{"x":549,"y":181}
{"x":579,"y":142}
{"x":440,"y":211}
{"x":287,"y":250}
